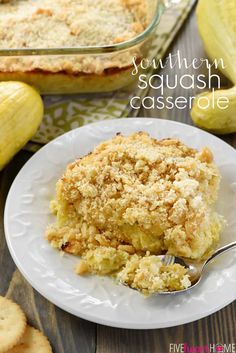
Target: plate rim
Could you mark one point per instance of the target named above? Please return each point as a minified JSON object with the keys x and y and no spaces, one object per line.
{"x":87,"y":316}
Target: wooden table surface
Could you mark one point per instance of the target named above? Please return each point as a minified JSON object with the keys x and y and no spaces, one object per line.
{"x":69,"y":334}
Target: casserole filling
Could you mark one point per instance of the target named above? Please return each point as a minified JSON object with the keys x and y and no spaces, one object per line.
{"x":134,"y":197}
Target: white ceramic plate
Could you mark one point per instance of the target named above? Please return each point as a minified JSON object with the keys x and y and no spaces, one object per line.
{"x":100,"y":299}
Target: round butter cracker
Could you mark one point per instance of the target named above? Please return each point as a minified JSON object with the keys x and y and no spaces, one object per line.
{"x":33,"y":341}
{"x":12,"y":324}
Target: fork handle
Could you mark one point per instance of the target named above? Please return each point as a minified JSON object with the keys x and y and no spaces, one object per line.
{"x":222,"y":250}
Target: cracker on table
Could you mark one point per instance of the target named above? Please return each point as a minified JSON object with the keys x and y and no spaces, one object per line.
{"x":33,"y":341}
{"x":12,"y":324}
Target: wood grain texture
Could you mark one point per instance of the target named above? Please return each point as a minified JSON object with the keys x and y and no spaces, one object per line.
{"x":69,"y":334}
{"x":217,"y":328}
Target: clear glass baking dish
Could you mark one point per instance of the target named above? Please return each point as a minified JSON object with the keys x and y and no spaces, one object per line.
{"x":116,"y":61}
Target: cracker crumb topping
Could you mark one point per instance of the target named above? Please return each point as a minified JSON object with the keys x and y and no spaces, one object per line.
{"x":69,"y":23}
{"x":136,"y":194}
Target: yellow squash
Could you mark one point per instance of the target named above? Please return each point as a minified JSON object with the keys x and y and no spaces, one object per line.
{"x":21,"y":112}
{"x":217,"y":27}
{"x":214,"y":119}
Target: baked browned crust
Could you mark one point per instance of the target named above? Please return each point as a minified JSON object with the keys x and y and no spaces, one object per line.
{"x":67,"y":23}
{"x":152,"y":195}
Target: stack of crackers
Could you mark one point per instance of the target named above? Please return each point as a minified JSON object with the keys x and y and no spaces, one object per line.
{"x":15,"y":335}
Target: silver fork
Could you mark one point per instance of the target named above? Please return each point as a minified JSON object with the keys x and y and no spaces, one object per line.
{"x":195,"y":269}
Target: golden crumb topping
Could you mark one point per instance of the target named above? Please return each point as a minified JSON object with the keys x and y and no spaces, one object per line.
{"x":69,"y":23}
{"x":135,"y":194}
{"x":148,"y":275}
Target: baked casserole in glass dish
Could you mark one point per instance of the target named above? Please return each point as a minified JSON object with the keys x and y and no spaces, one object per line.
{"x":75,"y":46}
